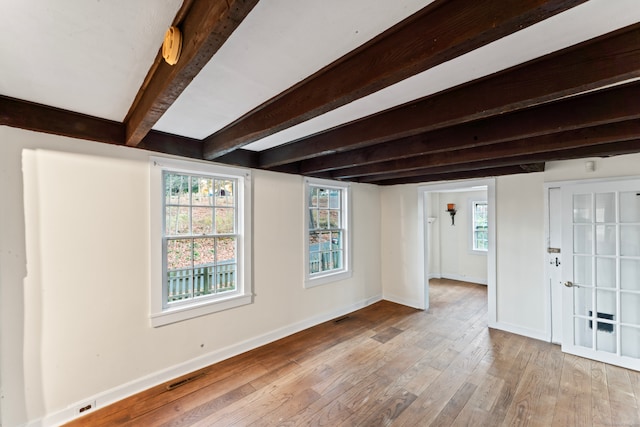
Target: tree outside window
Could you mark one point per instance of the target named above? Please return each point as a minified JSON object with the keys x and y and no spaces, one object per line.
{"x":480,"y":226}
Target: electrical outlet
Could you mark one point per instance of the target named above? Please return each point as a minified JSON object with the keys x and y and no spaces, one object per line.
{"x":86,"y":407}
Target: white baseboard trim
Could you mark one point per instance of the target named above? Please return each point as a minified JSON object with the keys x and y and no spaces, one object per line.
{"x":519,"y":330}
{"x":123,"y":391}
{"x":403,"y":301}
{"x":478,"y":280}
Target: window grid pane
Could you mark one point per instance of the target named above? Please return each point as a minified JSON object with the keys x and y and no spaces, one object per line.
{"x":480,"y":226}
{"x":200,"y":236}
{"x":326,"y":219}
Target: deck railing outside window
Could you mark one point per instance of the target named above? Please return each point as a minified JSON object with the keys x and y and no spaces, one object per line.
{"x":206,"y":280}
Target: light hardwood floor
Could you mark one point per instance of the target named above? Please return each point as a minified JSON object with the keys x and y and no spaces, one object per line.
{"x":392,"y":365}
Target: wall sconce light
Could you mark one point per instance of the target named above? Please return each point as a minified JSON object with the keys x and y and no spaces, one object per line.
{"x":451,"y":208}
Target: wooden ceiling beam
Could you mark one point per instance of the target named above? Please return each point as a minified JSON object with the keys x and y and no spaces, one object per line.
{"x":205,"y":26}
{"x":600,"y":150}
{"x":605,"y":60}
{"x":440,"y":32}
{"x":42,"y":118}
{"x":573,"y":139}
{"x":172,"y":144}
{"x":442,"y":170}
{"x":240,"y":157}
{"x":469,"y":174}
{"x":594,"y":108}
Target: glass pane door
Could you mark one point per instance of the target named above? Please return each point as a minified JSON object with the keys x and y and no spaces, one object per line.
{"x":601,"y":298}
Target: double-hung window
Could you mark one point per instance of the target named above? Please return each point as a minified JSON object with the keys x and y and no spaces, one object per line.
{"x":327,"y":241}
{"x":479,"y":218}
{"x":200,"y":234}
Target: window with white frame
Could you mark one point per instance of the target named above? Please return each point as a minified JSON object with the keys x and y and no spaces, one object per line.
{"x":327,"y":231}
{"x":479,"y":226}
{"x":200,"y":233}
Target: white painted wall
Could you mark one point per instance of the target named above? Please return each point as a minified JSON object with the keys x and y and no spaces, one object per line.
{"x":402,"y":269}
{"x":74,"y":276}
{"x":457,"y":260}
{"x":618,"y":166}
{"x":520,"y":255}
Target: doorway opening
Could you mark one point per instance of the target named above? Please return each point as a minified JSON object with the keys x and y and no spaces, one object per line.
{"x":450,"y":235}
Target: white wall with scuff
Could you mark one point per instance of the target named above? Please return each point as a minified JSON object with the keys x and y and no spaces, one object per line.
{"x":74,"y":270}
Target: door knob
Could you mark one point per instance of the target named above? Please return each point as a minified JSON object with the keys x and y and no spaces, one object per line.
{"x":570,"y":285}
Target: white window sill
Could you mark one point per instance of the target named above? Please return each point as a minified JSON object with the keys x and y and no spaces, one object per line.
{"x":478,"y":252}
{"x":185,"y":312}
{"x":312,"y":282}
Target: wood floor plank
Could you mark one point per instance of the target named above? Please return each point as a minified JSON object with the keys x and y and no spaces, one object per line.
{"x":432,"y":400}
{"x":326,"y":411}
{"x":198,"y":401}
{"x":382,"y":413}
{"x":243,"y":412}
{"x":487,"y":390}
{"x":455,"y":405}
{"x":471,"y":416}
{"x":624,"y":407}
{"x":291,"y":408}
{"x":528,"y":402}
{"x":282,"y":397}
{"x":478,"y":408}
{"x":635,"y":384}
{"x":363,"y":392}
{"x":600,"y":404}
{"x":418,"y":377}
{"x":573,"y":406}
{"x":394,"y":366}
{"x":387,"y":334}
{"x":236,"y":411}
{"x":182,"y":414}
{"x":349,"y":367}
{"x":507,"y":364}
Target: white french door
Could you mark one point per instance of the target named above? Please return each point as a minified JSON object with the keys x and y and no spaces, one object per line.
{"x":601,"y":271}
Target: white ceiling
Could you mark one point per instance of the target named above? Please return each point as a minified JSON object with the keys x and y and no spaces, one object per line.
{"x":279,"y":44}
{"x":91,"y":56}
{"x":88,"y":56}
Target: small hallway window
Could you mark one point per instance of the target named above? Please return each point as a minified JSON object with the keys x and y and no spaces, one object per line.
{"x":479,"y":226}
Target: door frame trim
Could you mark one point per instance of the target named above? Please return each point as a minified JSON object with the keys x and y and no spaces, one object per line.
{"x":548,"y":294}
{"x":423,"y":207}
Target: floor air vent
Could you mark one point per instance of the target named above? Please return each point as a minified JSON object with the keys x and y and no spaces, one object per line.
{"x":177,"y":384}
